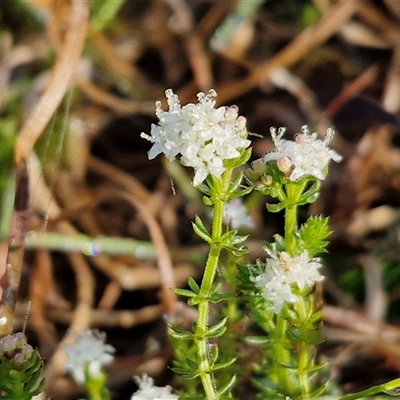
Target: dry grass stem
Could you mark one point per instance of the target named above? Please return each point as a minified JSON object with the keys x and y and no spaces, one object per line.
{"x":310,"y":38}
{"x":61,"y":76}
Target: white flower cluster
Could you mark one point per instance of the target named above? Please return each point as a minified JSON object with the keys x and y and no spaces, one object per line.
{"x":147,"y":391}
{"x":88,"y":353}
{"x":305,"y":156}
{"x":204,"y":136}
{"x":282,"y":272}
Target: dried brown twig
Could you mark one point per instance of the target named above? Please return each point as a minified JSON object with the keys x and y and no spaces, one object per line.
{"x":329,"y":24}
{"x":61,"y":77}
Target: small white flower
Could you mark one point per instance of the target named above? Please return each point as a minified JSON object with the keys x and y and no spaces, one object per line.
{"x":305,"y":156}
{"x":282,"y":272}
{"x":147,"y":391}
{"x":89,"y":353}
{"x":202,"y":135}
{"x":236,"y":215}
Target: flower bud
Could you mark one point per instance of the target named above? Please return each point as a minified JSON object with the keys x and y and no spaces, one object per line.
{"x":267,"y":180}
{"x":284,"y":164}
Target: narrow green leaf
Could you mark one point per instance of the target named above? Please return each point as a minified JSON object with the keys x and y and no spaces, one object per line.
{"x":213,"y":354}
{"x":183,"y":292}
{"x":227,"y":386}
{"x":193,"y":285}
{"x":35,"y":380}
{"x":235,"y":183}
{"x":186,"y":374}
{"x":218,"y":297}
{"x":195,"y":300}
{"x":241,"y":192}
{"x":204,"y":189}
{"x":201,"y":230}
{"x":180,"y":333}
{"x":317,"y":368}
{"x":256,"y":340}
{"x":223,"y":364}
{"x":217,"y":329}
{"x":215,"y":287}
{"x":317,"y":392}
{"x":275,"y":207}
{"x":207,"y":201}
{"x":238,"y":251}
{"x":191,"y":364}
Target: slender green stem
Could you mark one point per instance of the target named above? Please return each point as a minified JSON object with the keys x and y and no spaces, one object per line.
{"x":384,"y":387}
{"x":293,"y":193}
{"x":96,"y":386}
{"x":305,"y":358}
{"x":290,"y":228}
{"x":281,"y":350}
{"x":220,"y":187}
{"x":95,"y":395}
{"x":281,"y":354}
{"x":202,"y":324}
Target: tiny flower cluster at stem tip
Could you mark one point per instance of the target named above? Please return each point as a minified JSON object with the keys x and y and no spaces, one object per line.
{"x":305,"y":156}
{"x":202,"y":135}
{"x":147,"y":390}
{"x":15,"y":347}
{"x":88,"y":354}
{"x":281,"y":273}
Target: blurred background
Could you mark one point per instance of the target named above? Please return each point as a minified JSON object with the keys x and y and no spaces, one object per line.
{"x":105,"y":223}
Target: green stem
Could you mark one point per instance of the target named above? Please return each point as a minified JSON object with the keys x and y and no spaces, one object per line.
{"x":281,"y":354}
{"x":96,"y":386}
{"x":290,"y":228}
{"x":283,"y":343}
{"x":382,"y":388}
{"x":305,"y":356}
{"x":95,"y":395}
{"x":220,"y":187}
{"x":202,"y":325}
{"x":293,"y":193}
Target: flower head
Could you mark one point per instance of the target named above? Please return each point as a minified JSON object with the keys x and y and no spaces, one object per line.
{"x":202,"y":135}
{"x":15,"y":348}
{"x":282,"y":272}
{"x":88,"y":354}
{"x":20,"y":366}
{"x":305,"y":156}
{"x":147,"y":391}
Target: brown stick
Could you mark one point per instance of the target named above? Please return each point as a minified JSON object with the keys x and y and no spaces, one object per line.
{"x":310,"y":38}
{"x":62,"y":74}
{"x":9,"y":282}
{"x":59,"y":81}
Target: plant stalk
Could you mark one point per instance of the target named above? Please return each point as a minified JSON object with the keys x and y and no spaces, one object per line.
{"x":221,"y":187}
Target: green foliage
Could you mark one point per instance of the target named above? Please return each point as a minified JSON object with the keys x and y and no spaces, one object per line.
{"x":310,"y":15}
{"x":184,"y":350}
{"x":287,"y":366}
{"x":21,"y":369}
{"x":213,"y":194}
{"x":270,"y":181}
{"x":313,"y":234}
{"x":104,"y":13}
{"x":229,"y":241}
{"x":8,"y":131}
{"x":201,"y":359}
